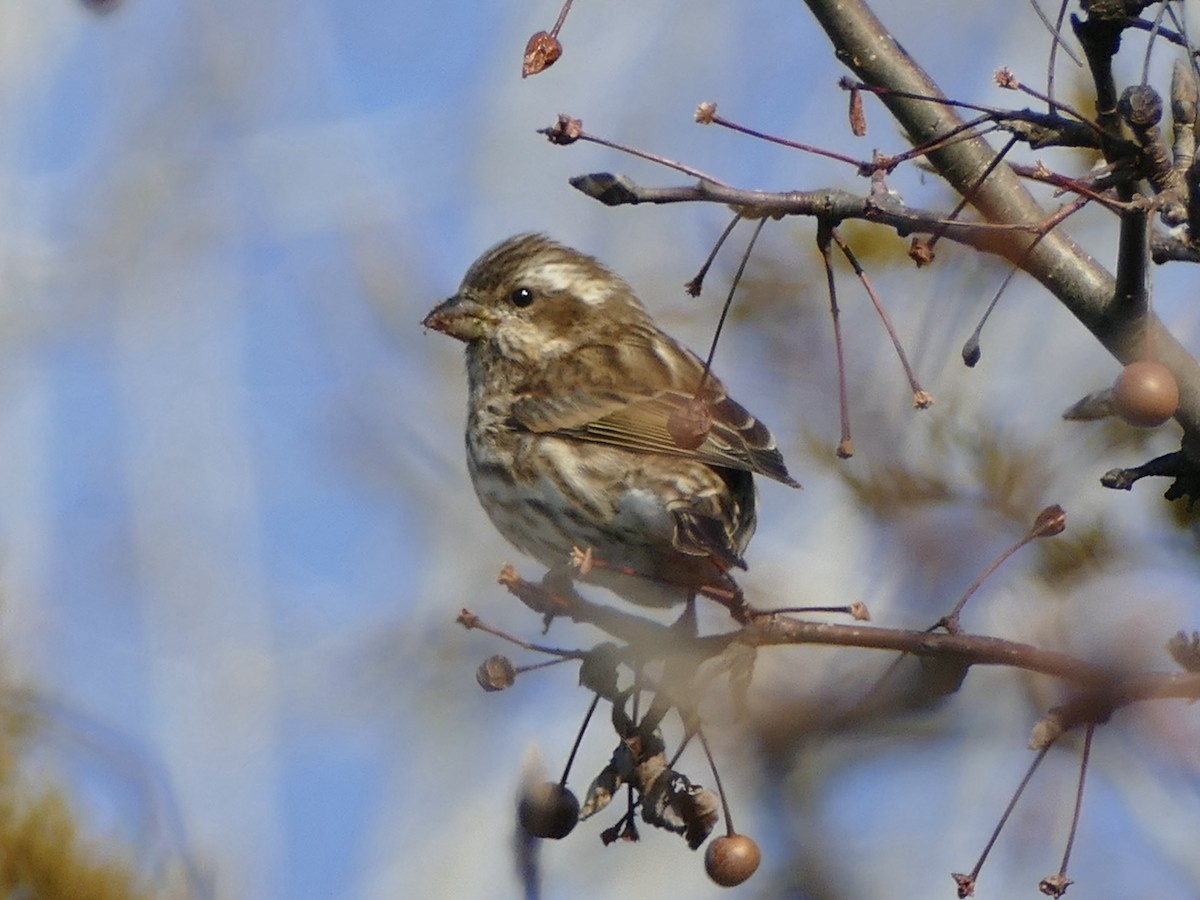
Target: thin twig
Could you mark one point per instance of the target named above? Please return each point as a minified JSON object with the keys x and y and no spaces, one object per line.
{"x":845,"y":447}
{"x":1088,"y":734}
{"x":562,"y":17}
{"x":921,"y":399}
{"x":587,"y":718}
{"x":694,"y":286}
{"x":729,"y":302}
{"x":716,"y":119}
{"x":1012,"y":804}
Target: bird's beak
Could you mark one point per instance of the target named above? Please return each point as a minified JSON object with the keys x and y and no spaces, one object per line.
{"x":460,"y":317}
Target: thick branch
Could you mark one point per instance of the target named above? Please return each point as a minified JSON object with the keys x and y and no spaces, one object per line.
{"x":1112,"y":688}
{"x":862,"y":43}
{"x":829,"y":204}
{"x":971,"y":649}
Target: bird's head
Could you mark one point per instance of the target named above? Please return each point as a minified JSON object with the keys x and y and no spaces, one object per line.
{"x":530,"y":298}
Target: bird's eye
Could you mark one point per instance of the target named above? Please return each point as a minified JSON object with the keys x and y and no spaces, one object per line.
{"x":521,"y":297}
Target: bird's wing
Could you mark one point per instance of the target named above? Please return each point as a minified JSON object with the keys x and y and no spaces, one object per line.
{"x":635,"y":415}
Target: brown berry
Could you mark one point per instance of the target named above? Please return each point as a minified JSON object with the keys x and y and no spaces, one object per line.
{"x":548,"y":810}
{"x":731,"y":859}
{"x":1145,"y":394}
{"x":496,"y":673}
{"x":689,"y":424}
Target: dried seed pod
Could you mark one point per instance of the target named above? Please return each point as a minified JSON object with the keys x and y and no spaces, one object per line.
{"x":1141,"y":106}
{"x":542,"y":51}
{"x":1050,"y":522}
{"x":858,"y":118}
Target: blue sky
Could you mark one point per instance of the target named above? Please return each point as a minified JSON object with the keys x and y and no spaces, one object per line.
{"x":235,"y":523}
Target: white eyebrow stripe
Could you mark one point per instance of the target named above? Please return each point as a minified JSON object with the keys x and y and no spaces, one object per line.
{"x":569,"y":278}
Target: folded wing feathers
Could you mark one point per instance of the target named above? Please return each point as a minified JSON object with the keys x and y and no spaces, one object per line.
{"x":739,"y":432}
{"x":736,"y":440}
{"x":608,"y":414}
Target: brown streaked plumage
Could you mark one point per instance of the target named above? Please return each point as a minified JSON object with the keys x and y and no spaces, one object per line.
{"x":572,"y":388}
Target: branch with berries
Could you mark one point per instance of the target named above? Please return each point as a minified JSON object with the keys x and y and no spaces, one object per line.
{"x":689,"y":663}
{"x":1012,"y":224}
{"x":591,"y":428}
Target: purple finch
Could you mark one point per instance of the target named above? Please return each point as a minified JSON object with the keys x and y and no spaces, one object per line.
{"x":588,"y":427}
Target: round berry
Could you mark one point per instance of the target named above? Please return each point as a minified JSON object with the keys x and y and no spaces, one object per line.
{"x":548,"y":810}
{"x":731,"y":859}
{"x":1145,"y":394}
{"x":689,"y":424}
{"x":496,"y":673}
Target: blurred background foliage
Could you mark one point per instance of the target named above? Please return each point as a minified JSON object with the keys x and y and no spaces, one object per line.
{"x":235,"y":520}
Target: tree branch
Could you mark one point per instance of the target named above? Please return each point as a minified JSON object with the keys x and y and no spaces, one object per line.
{"x":866,"y":47}
{"x":830,"y":204}
{"x":1105,"y":687}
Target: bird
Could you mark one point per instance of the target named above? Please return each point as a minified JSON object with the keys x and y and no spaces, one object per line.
{"x":592,"y":431}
